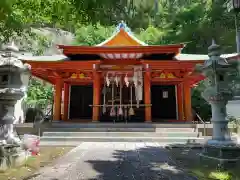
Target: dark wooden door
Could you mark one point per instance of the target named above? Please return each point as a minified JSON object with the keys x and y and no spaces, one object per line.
{"x":80,"y":99}
{"x":163,"y":102}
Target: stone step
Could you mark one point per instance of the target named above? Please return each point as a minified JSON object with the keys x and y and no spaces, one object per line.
{"x":120,"y":134}
{"x":60,"y":143}
{"x":120,"y":125}
{"x":77,"y":143}
{"x":118,"y":129}
{"x":175,"y":130}
{"x":99,"y":129}
{"x":122,"y":139}
{"x":167,"y":142}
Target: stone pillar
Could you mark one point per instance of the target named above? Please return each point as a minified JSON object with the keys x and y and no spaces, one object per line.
{"x":147,"y":95}
{"x":57,"y":100}
{"x":219,"y":121}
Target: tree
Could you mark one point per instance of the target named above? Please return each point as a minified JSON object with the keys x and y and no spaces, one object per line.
{"x":92,"y":34}
{"x":153,"y":21}
{"x":199,"y":104}
{"x":39,"y":93}
{"x":195,"y":22}
{"x":10,"y":22}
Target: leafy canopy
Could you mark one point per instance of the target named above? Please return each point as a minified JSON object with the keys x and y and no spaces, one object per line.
{"x":194,"y":22}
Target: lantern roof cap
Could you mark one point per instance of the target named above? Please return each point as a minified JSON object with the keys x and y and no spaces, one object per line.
{"x":214,"y":49}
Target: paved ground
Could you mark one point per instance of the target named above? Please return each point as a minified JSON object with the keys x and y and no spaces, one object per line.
{"x":114,"y":161}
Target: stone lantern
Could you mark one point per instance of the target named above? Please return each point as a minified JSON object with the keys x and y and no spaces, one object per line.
{"x":14,"y":78}
{"x":220,"y":75}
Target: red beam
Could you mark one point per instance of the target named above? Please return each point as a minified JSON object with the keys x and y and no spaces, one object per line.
{"x":45,"y":78}
{"x":63,"y":64}
{"x":120,"y":61}
{"x":161,"y":80}
{"x":78,"y":81}
{"x":171,"y":64}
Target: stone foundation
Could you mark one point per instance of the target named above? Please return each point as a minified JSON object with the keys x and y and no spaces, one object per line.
{"x":12,"y":156}
{"x":223,"y":157}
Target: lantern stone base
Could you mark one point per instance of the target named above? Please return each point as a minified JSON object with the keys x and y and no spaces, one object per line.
{"x":223,"y":156}
{"x":12,"y":156}
{"x":228,"y":142}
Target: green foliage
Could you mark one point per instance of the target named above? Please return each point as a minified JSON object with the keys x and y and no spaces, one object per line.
{"x":50,"y":13}
{"x":220,"y":175}
{"x":166,"y":21}
{"x":92,"y":34}
{"x":10,"y":22}
{"x":39,"y":93}
{"x":153,"y":21}
{"x":151,"y":35}
{"x":235,"y":122}
{"x":199,"y":104}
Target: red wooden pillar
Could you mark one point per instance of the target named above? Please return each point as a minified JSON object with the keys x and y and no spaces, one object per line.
{"x":96,"y":95}
{"x":180,"y":101}
{"x":66,"y":101}
{"x":57,"y":100}
{"x":147,"y":94}
{"x":187,"y":101}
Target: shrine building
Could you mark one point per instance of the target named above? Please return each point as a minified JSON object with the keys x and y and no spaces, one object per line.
{"x":120,"y":80}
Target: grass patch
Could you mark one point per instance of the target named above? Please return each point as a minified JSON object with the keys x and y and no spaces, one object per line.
{"x":220,"y":175}
{"x":189,"y":160}
{"x":34,"y":163}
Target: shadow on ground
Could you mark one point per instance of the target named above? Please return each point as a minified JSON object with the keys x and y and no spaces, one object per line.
{"x":140,"y":161}
{"x":189,"y":159}
{"x":148,"y":163}
{"x":31,"y":176}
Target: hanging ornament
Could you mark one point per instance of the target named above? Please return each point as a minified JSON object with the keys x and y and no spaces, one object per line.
{"x":137,"y":95}
{"x":138,"y":102}
{"x":104,"y":110}
{"x":117,"y":113}
{"x":134,"y":79}
{"x":138,"y":84}
{"x":120,"y":110}
{"x":131,"y":110}
{"x":117,"y":80}
{"x":135,"y":82}
{"x":113,"y":112}
{"x":107,"y":80}
{"x":125,"y":112}
{"x":104,"y":99}
{"x":126,"y":80}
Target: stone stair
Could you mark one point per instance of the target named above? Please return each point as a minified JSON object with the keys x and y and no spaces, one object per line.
{"x":68,"y":134}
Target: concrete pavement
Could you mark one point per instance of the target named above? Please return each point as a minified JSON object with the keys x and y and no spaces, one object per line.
{"x":114,"y":161}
